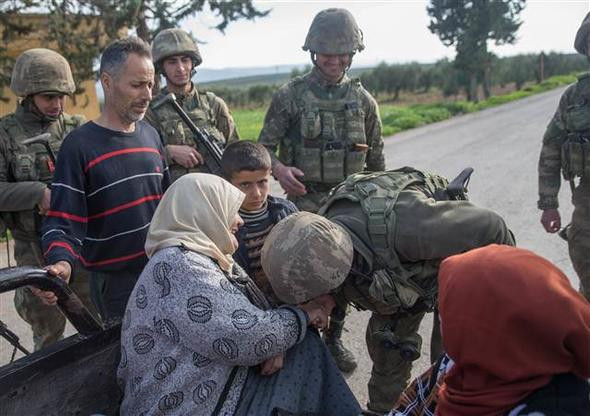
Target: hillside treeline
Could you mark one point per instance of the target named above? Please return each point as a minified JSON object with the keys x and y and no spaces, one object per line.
{"x":388,"y":81}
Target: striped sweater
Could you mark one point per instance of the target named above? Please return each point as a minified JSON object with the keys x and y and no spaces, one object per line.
{"x":105,"y":190}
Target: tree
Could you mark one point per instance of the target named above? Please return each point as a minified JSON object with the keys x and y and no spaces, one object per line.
{"x":469,"y":25}
{"x":80,"y":30}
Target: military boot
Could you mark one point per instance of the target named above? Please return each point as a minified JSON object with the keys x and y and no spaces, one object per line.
{"x":343,"y":356}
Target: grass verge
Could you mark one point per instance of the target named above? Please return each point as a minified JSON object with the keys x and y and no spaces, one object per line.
{"x":399,"y":118}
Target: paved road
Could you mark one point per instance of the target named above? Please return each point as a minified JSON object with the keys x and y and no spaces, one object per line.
{"x":502,"y":144}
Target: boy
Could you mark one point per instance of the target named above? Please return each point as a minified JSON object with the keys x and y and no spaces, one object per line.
{"x":247,"y":165}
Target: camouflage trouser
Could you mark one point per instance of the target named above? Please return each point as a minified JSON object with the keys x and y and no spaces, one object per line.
{"x":47,"y":322}
{"x":390,"y":373}
{"x":579,"y":244}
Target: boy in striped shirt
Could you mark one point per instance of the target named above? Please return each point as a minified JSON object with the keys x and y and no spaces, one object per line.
{"x":247,"y":166}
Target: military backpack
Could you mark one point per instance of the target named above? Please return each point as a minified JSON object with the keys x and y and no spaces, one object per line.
{"x":393,"y":285}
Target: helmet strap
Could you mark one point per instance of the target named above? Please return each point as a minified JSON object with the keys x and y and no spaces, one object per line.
{"x":29,"y":104}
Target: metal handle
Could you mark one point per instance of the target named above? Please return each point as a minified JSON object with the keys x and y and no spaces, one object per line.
{"x":69,"y":303}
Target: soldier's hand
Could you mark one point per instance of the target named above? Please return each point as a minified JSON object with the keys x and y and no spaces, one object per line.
{"x":551,"y":220}
{"x":287,"y":177}
{"x":185,"y":156}
{"x":318,"y":310}
{"x":272,"y":365}
{"x":44,"y":204}
{"x":61,"y":269}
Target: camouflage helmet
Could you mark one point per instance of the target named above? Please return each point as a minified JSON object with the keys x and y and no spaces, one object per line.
{"x":334,"y":32}
{"x":582,"y":35}
{"x":170,"y":42}
{"x":41,"y":70}
{"x":306,"y":255}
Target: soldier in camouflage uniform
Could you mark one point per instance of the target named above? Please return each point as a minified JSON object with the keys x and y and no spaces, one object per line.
{"x":176,"y":56}
{"x":43,"y":78}
{"x":566,"y":148}
{"x":326,"y":126}
{"x":401,"y":229}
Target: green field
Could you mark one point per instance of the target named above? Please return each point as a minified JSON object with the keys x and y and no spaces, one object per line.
{"x":268,"y":79}
{"x":398,"y":118}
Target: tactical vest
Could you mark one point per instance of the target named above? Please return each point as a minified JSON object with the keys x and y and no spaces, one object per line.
{"x":575,"y":151}
{"x":392,"y":285}
{"x":31,"y":163}
{"x":329,"y":142}
{"x":175,"y":131}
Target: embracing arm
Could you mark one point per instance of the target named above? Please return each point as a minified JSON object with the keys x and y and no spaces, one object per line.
{"x":219,"y":322}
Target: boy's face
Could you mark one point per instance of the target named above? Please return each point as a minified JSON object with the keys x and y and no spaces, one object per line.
{"x":255,"y":184}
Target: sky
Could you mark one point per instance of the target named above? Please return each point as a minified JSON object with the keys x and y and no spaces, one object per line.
{"x":395,"y":31}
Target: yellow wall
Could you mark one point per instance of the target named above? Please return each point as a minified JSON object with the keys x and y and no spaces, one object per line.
{"x":85,"y":103}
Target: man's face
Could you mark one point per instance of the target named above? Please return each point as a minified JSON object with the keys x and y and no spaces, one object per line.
{"x":129,"y":91}
{"x":255,"y":184}
{"x":177,"y":69}
{"x":50,"y":105}
{"x":333,"y":66}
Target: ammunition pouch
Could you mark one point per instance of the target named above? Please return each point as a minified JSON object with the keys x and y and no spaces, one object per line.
{"x":330,"y":143}
{"x":409,"y":347}
{"x":575,"y":156}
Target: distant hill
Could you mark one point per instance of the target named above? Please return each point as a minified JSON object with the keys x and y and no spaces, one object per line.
{"x":261,"y":79}
{"x":206,"y":75}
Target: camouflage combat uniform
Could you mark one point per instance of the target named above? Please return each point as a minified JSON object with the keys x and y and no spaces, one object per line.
{"x":566,"y":149}
{"x":400,"y":234}
{"x":327,"y":131}
{"x":25,"y":173}
{"x":205,"y":109}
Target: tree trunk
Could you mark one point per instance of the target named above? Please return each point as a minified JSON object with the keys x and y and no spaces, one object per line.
{"x":541,"y":67}
{"x":487,"y":81}
{"x":143,"y":31}
{"x":472,"y":89}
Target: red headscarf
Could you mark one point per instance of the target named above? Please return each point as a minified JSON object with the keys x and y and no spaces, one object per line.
{"x":510,"y":320}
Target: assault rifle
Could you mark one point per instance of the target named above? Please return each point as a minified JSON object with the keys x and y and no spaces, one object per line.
{"x":200,"y":136}
{"x":456,"y":190}
{"x":42,"y":139}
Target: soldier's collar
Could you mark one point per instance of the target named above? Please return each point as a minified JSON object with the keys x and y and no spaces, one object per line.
{"x":317,"y":77}
{"x":181,"y":98}
{"x":28,"y":113}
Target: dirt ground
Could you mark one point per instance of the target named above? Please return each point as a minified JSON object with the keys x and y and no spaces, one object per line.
{"x":354,"y":338}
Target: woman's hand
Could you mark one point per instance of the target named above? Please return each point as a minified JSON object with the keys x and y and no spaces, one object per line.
{"x":272,"y":365}
{"x":318,"y":310}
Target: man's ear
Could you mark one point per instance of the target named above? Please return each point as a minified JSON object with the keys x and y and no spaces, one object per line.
{"x":107,"y":81}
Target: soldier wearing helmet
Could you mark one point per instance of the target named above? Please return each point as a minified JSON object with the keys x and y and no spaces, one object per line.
{"x":566,"y":150}
{"x":325,"y":126}
{"x":176,"y":56}
{"x":42,"y":78}
{"x":377,"y":245}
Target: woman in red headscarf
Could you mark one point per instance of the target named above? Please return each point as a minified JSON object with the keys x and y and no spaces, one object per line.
{"x":518,"y":334}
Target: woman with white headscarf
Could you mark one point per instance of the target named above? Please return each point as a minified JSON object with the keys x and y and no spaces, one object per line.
{"x":196,"y":325}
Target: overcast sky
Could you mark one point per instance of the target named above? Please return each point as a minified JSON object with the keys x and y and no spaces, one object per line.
{"x":395,"y":31}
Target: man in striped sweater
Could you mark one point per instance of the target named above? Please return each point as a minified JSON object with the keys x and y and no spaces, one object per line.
{"x":109,"y":177}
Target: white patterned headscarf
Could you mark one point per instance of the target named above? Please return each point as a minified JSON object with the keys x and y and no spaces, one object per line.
{"x":196,"y":212}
